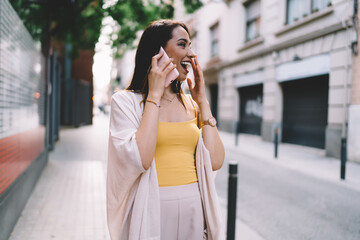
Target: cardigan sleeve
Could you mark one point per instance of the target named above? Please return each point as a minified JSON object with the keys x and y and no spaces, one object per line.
{"x":206,"y":177}
{"x":124,"y":161}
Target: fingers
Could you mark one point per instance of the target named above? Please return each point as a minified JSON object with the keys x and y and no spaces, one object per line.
{"x":197,"y":63}
{"x":160,"y":71}
{"x":169,"y":68}
{"x":196,"y":68}
{"x":193,"y":65}
{"x":154,"y":61}
{"x":190,"y":84}
{"x":163,"y":69}
{"x":166,"y":64}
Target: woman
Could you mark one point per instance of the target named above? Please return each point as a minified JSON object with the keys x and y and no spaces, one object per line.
{"x":160,"y":182}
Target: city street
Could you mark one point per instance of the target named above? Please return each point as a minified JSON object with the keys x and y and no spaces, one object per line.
{"x":279,"y":79}
{"x":280,"y":203}
{"x":274,"y":202}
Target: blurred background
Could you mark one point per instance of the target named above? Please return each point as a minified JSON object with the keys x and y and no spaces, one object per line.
{"x":282,"y":78}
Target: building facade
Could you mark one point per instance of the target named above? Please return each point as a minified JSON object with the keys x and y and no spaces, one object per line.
{"x":354,"y":108}
{"x":287,"y":64}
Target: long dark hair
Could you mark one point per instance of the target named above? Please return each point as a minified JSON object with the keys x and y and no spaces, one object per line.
{"x":156,"y":35}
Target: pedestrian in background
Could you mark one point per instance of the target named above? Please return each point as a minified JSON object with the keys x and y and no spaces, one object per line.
{"x":163,"y":146}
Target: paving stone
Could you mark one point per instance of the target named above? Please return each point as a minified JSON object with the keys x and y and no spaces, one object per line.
{"x":69,"y":200}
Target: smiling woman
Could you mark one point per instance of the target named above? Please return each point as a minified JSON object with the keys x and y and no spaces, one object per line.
{"x":163,"y":146}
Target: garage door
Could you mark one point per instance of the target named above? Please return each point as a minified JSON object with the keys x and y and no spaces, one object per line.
{"x":251,"y":104}
{"x":305,"y":109}
{"x":214,"y":99}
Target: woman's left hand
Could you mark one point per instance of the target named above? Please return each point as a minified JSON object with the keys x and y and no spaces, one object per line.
{"x":197,"y":91}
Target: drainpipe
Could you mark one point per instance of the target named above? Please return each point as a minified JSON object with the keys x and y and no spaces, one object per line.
{"x":347,"y":24}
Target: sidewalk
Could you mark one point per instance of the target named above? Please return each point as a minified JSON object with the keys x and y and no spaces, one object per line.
{"x":68,"y":201}
{"x":310,"y":161}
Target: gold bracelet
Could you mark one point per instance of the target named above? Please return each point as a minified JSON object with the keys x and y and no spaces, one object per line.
{"x":151,"y":101}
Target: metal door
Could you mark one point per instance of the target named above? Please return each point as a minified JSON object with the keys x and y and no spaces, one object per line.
{"x":305,"y":109}
{"x":214,"y":99}
{"x":251,"y":105}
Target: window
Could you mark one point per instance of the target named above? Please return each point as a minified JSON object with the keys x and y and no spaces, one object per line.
{"x":298,"y":9}
{"x":214,"y":36}
{"x":252,"y":20}
{"x":317,"y":5}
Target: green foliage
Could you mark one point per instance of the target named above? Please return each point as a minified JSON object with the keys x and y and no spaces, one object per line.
{"x":79,"y":22}
{"x":33,"y":18}
{"x":192,"y":5}
{"x":133,"y":16}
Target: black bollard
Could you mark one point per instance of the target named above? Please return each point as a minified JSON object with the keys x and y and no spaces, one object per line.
{"x":343,"y":158}
{"x":276,"y":140}
{"x":236,"y":133}
{"x":232,"y":192}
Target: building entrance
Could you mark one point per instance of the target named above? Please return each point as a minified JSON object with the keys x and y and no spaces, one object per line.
{"x":251,"y":104}
{"x":305,"y":111}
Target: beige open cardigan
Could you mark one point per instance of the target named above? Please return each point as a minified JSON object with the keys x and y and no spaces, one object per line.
{"x":133,"y":203}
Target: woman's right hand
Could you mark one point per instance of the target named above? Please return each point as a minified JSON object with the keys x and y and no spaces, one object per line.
{"x":157,"y":75}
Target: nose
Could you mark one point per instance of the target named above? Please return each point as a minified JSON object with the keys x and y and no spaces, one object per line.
{"x":191,"y":53}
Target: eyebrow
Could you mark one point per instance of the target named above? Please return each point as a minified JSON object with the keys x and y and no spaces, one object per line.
{"x":184,"y":39}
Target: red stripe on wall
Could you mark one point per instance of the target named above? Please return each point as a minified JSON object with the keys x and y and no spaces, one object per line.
{"x":17,"y":152}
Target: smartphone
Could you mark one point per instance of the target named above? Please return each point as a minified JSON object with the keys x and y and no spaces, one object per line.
{"x":173,"y":74}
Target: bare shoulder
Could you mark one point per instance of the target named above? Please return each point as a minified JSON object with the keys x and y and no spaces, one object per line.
{"x":192,"y":102}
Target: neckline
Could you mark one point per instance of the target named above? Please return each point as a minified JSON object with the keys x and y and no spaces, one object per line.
{"x":181,"y":122}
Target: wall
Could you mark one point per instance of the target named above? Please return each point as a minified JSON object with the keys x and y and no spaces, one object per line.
{"x":22,"y":115}
{"x":354,"y":109}
{"x":317,"y":34}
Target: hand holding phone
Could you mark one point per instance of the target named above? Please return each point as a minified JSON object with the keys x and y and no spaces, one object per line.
{"x":173,"y":74}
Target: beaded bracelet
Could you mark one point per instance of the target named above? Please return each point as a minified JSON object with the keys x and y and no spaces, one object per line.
{"x":151,"y":101}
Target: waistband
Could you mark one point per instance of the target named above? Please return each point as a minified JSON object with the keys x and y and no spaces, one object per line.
{"x":179,"y":192}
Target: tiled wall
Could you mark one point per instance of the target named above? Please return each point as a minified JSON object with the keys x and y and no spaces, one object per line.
{"x":22,"y":95}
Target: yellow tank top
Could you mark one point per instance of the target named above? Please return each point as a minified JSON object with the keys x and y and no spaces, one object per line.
{"x":175,"y":153}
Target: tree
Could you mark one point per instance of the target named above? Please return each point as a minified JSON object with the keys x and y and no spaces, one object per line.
{"x":79,"y":21}
{"x":73,"y":21}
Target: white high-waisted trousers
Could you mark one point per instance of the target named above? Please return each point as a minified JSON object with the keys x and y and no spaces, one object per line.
{"x":182,"y":216}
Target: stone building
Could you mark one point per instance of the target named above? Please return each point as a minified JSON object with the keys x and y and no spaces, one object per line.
{"x":287,"y":64}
